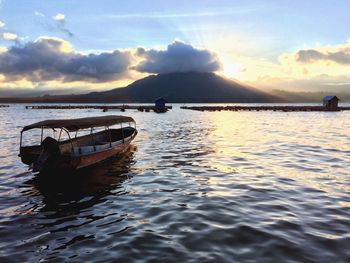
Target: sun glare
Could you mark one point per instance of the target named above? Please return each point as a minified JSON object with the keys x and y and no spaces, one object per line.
{"x":230,"y":70}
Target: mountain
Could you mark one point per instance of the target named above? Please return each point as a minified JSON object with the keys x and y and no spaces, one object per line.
{"x":185,"y":87}
{"x":315,"y":96}
{"x":191,"y":87}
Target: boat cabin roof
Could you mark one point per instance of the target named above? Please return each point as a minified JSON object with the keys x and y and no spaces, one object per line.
{"x":81,"y":123}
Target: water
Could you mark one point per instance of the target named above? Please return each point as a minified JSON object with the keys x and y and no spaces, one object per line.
{"x":194,"y":187}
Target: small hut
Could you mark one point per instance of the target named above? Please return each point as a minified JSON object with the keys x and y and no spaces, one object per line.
{"x":331,"y":102}
{"x":160,"y":105}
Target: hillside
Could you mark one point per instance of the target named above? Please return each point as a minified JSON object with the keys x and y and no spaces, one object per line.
{"x":191,"y":87}
{"x":186,"y":87}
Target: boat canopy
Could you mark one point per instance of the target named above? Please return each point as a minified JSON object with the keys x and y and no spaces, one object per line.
{"x":81,"y":123}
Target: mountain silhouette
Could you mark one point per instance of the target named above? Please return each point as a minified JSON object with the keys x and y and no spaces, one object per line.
{"x":190,"y":87}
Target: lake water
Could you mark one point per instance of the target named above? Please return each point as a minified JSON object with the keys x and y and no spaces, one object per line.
{"x":194,"y":187}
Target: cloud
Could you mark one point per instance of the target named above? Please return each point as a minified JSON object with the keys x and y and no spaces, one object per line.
{"x":56,"y":23}
{"x":310,"y":56}
{"x":54,"y":63}
{"x":339,"y":54}
{"x":316,"y":68}
{"x":305,"y":69}
{"x":179,"y":57}
{"x":9,"y":36}
{"x":37,"y":13}
{"x":59,"y":17}
{"x":61,"y":24}
{"x":307,"y":56}
{"x":65,"y":30}
{"x":48,"y":59}
{"x":2,"y":24}
{"x":322,"y":82}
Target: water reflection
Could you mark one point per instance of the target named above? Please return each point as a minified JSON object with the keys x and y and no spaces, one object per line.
{"x":210,"y":187}
{"x":71,"y":193}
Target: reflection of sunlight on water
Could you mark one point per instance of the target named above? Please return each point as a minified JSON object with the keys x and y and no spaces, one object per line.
{"x":269,"y":146}
{"x":231,"y":137}
{"x":345,"y":203}
{"x":213,"y":185}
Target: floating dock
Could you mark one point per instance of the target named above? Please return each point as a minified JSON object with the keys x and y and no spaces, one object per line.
{"x":146,"y":108}
{"x":264,"y":108}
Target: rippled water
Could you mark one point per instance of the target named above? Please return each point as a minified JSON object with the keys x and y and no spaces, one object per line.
{"x":194,"y":187}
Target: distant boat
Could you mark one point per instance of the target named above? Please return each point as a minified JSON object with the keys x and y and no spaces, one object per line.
{"x":81,"y":151}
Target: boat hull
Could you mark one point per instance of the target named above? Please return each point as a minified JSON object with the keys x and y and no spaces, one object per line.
{"x":71,"y":162}
{"x":66,"y":163}
{"x":86,"y":160}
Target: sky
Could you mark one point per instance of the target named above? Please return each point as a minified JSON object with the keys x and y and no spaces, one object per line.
{"x":88,"y":45}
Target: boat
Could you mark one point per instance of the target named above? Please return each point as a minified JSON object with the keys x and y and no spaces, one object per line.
{"x":76,"y":143}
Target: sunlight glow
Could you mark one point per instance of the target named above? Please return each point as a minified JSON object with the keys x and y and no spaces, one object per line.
{"x":231,"y":70}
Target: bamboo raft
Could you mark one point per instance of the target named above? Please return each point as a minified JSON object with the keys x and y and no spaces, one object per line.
{"x":146,"y":108}
{"x":264,"y":108}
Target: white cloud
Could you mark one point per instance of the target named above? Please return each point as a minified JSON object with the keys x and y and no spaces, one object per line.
{"x":37,"y":13}
{"x":59,"y":17}
{"x":2,"y":24}
{"x":9,"y":36}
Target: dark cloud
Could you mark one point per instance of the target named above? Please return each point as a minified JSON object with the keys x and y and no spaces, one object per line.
{"x":179,"y":57}
{"x":311,"y":55}
{"x":52,"y":59}
{"x":48,"y":59}
{"x":61,"y":26}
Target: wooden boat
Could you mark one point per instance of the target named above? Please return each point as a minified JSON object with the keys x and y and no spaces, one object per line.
{"x":100,"y":142}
